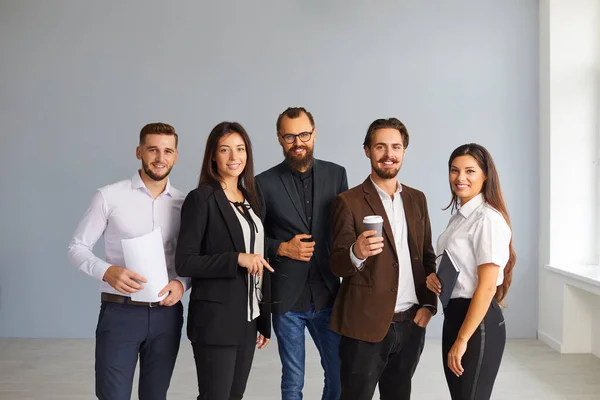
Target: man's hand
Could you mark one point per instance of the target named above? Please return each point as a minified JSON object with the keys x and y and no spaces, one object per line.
{"x":423,"y":317}
{"x":297,"y":248}
{"x":367,"y":245}
{"x":123,"y":280}
{"x":175,"y":290}
{"x":262,"y":342}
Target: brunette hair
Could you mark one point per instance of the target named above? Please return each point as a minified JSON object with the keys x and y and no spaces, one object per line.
{"x":293,"y":113}
{"x":209,"y":173}
{"x":158,"y":128}
{"x":492,"y":193}
{"x":382,"y":123}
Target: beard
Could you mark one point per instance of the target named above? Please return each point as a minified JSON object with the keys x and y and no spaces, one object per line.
{"x":386,"y":173}
{"x":153,"y":175}
{"x":299,"y":163}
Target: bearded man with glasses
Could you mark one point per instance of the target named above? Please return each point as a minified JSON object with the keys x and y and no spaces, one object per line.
{"x":297,"y":196}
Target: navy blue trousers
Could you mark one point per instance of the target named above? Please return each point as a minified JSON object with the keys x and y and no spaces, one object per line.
{"x":125,"y":332}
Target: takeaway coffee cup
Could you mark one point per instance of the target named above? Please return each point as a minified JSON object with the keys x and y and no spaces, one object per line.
{"x":373,"y":223}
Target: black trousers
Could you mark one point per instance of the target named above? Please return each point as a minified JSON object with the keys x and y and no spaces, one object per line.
{"x":223,"y":370}
{"x":484,"y":352}
{"x":125,"y":332}
{"x":391,"y":363}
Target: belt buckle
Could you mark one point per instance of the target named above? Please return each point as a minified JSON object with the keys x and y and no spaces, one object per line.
{"x":152,"y":305}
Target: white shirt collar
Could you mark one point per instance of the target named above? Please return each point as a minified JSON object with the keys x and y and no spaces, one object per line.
{"x":471,"y":205}
{"x":383,"y":194}
{"x":138,"y":183}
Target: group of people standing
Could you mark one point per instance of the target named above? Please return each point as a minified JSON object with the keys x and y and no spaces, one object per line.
{"x":268,"y":252}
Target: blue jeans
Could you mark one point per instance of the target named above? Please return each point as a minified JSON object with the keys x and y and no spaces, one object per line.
{"x":289,"y":328}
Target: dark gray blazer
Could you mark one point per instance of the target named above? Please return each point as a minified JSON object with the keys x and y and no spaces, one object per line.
{"x":284,"y":217}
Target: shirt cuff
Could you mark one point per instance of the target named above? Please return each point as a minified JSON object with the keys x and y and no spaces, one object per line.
{"x":100,"y":269}
{"x":272,"y":254}
{"x":358,"y":263}
{"x":185,"y":282}
{"x":430,"y":307}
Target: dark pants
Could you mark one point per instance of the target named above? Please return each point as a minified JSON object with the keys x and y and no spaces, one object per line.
{"x":223,"y":370}
{"x":391,"y":363}
{"x":290,"y":328}
{"x":125,"y":331}
{"x":484,"y":352}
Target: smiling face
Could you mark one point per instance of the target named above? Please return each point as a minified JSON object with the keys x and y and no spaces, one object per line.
{"x":298,"y":154}
{"x":158,"y":154}
{"x":466,"y":178}
{"x":231,"y":156}
{"x":386,"y":152}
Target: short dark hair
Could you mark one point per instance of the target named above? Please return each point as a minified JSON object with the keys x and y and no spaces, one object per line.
{"x":158,"y":128}
{"x":390,"y":123}
{"x":292,"y":113}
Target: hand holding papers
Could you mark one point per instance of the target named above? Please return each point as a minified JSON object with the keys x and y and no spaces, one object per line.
{"x":146,"y":256}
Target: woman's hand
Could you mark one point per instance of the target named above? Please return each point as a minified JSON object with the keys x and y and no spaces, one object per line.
{"x":262,"y":342}
{"x":455,"y":356}
{"x":254,"y":263}
{"x":434,"y":284}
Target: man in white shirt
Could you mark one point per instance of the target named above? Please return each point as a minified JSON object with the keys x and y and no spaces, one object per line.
{"x":127,"y":329}
{"x":383,"y":305}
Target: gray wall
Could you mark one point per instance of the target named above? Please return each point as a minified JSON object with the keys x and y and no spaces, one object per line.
{"x":79,"y":79}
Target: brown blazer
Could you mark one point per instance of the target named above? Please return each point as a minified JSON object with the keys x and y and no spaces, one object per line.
{"x":365,"y":304}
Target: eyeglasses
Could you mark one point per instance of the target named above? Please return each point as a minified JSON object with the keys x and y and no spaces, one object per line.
{"x":290,"y":138}
{"x":257,"y":288}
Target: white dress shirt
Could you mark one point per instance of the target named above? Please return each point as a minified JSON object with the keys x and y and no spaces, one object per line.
{"x":254,"y":281}
{"x":394,"y":208}
{"x":477,"y":234}
{"x":126,"y":210}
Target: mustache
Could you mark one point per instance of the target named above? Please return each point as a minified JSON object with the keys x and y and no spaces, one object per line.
{"x":384,"y":159}
{"x":298,"y":147}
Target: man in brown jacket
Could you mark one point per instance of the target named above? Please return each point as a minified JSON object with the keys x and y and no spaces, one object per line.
{"x":383,"y":305}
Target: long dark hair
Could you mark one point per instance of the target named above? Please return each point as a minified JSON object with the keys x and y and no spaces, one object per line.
{"x":209,"y":173}
{"x":492,"y":193}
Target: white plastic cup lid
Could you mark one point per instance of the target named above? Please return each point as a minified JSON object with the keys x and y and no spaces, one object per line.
{"x":372,"y":219}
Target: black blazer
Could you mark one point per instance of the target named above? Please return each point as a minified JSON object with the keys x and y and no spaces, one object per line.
{"x":210,"y":240}
{"x":284,"y":218}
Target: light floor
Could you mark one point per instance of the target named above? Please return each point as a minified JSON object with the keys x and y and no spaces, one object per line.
{"x":64,"y":369}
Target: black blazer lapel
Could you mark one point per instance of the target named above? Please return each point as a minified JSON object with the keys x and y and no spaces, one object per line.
{"x":231,"y":221}
{"x":374,"y":201}
{"x":290,"y":187}
{"x":319,"y":177}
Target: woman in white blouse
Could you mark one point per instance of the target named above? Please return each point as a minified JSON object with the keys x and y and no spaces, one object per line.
{"x":478,"y":238}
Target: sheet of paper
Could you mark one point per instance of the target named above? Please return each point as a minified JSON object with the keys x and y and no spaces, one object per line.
{"x":146,"y":256}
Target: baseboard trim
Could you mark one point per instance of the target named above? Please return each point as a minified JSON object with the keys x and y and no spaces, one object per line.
{"x":549,"y":340}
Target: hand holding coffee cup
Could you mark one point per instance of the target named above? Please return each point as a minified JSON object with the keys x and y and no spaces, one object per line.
{"x":370,"y":242}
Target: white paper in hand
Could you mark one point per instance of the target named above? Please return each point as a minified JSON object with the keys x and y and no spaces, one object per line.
{"x":146,"y":256}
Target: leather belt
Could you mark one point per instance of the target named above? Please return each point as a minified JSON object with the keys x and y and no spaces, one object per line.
{"x":115,"y":298}
{"x":407,"y":315}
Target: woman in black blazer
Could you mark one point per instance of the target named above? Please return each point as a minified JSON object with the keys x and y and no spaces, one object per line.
{"x":221,"y":247}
